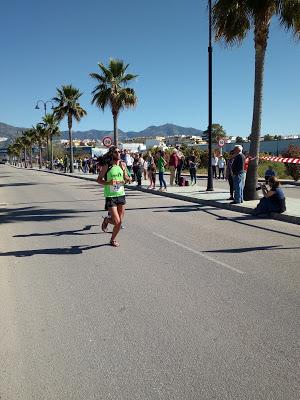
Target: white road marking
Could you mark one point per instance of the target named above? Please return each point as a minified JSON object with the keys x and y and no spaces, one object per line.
{"x":199,"y":253}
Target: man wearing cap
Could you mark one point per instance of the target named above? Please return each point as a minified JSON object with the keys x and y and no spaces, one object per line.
{"x":173,"y":164}
{"x":238,"y":173}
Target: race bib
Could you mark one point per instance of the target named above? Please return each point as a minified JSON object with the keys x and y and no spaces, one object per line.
{"x":116,"y":187}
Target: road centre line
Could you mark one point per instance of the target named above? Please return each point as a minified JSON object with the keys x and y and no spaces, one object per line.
{"x":200,"y":254}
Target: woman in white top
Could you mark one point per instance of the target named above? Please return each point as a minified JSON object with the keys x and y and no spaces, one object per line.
{"x":221,"y":166}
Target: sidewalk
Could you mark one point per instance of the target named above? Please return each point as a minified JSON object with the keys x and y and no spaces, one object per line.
{"x":198,"y":194}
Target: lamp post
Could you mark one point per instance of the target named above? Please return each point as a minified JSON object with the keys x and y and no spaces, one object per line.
{"x":210,"y":187}
{"x":45,"y":113}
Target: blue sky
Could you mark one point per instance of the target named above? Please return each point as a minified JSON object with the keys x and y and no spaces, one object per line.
{"x":47,"y":44}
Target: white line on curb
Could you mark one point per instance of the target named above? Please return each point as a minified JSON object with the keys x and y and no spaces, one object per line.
{"x":200,"y":254}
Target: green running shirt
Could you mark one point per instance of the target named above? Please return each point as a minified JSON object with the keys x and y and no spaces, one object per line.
{"x":115,"y":173}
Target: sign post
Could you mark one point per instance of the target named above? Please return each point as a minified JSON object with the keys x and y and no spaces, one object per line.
{"x":221,"y":143}
{"x":107,"y":141}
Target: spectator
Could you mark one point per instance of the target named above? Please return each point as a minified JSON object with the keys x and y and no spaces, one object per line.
{"x":238,"y":174}
{"x":214,"y":164}
{"x":269,"y":172}
{"x":229,"y":176}
{"x":221,"y":166}
{"x":128,"y":161}
{"x":151,"y":171}
{"x":161,"y":163}
{"x":193,"y":168}
{"x":273,"y":200}
{"x":173,"y":164}
{"x":179,"y":166}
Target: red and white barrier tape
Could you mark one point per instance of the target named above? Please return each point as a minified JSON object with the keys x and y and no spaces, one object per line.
{"x":281,"y":159}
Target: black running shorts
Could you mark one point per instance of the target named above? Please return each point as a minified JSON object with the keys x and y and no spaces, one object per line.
{"x":114,"y":201}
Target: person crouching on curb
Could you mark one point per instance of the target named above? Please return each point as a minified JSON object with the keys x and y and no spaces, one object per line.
{"x":273,"y":200}
{"x":112,"y":176}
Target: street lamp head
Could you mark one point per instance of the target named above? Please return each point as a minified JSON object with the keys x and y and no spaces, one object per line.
{"x":37,"y":107}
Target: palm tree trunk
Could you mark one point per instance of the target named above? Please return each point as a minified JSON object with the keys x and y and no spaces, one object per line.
{"x":25,"y":157}
{"x":51,"y":152}
{"x":261,"y":37}
{"x":40,"y":156}
{"x":116,"y":136}
{"x":48,"y":156}
{"x":30,"y":156}
{"x":71,"y":143}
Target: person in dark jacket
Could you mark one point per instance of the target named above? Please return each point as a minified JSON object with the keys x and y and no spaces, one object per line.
{"x":238,"y":174}
{"x":273,"y":200}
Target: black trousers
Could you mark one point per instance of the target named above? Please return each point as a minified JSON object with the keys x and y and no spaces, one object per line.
{"x":178,"y":175}
{"x":193,"y":174}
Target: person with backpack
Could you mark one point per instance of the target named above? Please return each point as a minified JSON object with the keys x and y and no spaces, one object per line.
{"x":113,"y":175}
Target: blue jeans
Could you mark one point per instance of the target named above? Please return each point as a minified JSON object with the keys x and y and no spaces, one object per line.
{"x":238,"y":187}
{"x":161,"y":180}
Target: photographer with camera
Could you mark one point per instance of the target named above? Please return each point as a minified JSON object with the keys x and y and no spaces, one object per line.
{"x":113,"y":175}
{"x":273,"y":200}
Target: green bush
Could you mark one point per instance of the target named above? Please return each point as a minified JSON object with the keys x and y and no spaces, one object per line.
{"x":293,"y":169}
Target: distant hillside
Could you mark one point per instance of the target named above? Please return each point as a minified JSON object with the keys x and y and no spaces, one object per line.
{"x":10,"y":131}
{"x":163,"y":130}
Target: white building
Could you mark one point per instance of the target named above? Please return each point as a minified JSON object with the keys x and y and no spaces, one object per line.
{"x":133,"y":147}
{"x":158,"y":141}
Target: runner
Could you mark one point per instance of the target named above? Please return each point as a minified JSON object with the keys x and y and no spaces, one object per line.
{"x":113,"y":175}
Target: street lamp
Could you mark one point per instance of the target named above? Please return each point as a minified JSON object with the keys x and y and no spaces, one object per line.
{"x":45,"y":112}
{"x":210,"y":187}
{"x":44,"y":105}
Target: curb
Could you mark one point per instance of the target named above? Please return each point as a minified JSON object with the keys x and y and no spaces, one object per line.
{"x":232,"y":207}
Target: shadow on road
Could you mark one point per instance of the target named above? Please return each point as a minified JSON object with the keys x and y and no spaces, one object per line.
{"x":56,"y":251}
{"x":241,"y":220}
{"x":18,"y":184}
{"x":24,"y":214}
{"x":79,"y":232}
{"x":249,"y":249}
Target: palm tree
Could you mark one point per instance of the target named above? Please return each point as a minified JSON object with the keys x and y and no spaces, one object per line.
{"x":14,"y":150}
{"x":52,"y":129}
{"x":112,"y":91}
{"x":41,"y":138}
{"x":232,"y":19}
{"x":26,"y":143}
{"x":68,"y":105}
{"x":31,"y":137}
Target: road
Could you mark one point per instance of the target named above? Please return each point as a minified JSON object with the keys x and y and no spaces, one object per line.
{"x":197,"y":302}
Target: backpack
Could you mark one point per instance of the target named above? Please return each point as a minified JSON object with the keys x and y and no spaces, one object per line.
{"x":181,"y":181}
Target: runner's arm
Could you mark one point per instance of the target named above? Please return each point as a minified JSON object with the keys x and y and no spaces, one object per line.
{"x":102,"y":172}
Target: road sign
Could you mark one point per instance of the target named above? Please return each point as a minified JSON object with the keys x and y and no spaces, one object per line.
{"x":221,"y":142}
{"x":107,"y":141}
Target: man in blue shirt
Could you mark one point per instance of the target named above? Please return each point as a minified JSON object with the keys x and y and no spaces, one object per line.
{"x":238,"y":174}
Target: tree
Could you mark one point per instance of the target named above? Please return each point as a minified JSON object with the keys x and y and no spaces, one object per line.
{"x":268,"y":137}
{"x":31,"y":136}
{"x":217,"y":132}
{"x":52,"y":129}
{"x":41,"y":138}
{"x":232,"y":19}
{"x":111,"y":90}
{"x":239,"y":140}
{"x":293,"y":169}
{"x":68,"y":106}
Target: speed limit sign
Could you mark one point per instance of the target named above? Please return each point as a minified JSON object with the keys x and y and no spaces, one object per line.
{"x":107,"y":141}
{"x":221,"y":142}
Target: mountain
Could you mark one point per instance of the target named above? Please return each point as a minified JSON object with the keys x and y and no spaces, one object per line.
{"x":162,"y":130}
{"x":11,"y":132}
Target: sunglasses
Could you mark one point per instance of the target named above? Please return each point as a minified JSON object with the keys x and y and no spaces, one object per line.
{"x":117,"y":151}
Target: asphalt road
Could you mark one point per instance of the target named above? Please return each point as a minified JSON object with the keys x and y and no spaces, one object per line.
{"x":197,"y":303}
